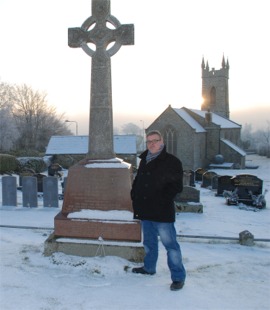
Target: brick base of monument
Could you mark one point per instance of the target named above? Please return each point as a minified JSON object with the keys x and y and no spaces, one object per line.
{"x":94,"y":229}
{"x":99,"y":185}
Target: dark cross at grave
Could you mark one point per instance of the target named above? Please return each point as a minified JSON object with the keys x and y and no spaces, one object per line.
{"x":101,"y":120}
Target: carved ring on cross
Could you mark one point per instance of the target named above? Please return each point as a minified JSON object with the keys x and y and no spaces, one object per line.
{"x":91,"y":21}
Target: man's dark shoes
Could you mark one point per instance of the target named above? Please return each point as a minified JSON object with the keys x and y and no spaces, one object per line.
{"x":141,"y":270}
{"x":177,"y":285}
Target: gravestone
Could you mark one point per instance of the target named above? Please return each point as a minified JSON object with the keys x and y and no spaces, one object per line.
{"x":186,"y":177}
{"x":40,"y":178}
{"x":207,"y":178}
{"x":246,"y":183}
{"x":188,"y":200}
{"x":215,"y":181}
{"x":50,"y":192}
{"x":224,"y":183}
{"x":192,"y":178}
{"x":101,"y":181}
{"x":246,"y":238}
{"x":9,"y":191}
{"x":29,"y":192}
{"x":25,"y":173}
{"x":189,"y":178}
{"x":199,"y":173}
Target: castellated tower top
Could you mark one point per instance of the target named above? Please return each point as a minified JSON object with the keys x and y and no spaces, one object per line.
{"x":215,"y":88}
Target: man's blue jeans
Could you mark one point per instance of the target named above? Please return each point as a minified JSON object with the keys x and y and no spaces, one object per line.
{"x":167,"y":233}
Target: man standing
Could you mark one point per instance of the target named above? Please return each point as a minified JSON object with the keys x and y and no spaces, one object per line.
{"x":158,"y":180}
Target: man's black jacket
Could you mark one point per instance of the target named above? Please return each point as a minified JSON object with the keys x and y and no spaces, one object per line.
{"x":155,"y":187}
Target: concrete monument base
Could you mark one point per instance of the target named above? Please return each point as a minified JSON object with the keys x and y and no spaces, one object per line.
{"x":132,"y":251}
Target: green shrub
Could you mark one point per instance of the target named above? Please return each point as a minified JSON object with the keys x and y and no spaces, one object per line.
{"x":34,"y":163}
{"x":66,"y":161}
{"x":8,"y":164}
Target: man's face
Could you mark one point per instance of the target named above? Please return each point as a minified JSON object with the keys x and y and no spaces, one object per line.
{"x":154,"y":143}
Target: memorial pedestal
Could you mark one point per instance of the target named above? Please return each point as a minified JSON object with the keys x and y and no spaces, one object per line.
{"x":92,"y":186}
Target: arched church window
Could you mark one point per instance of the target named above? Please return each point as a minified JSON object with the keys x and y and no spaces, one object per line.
{"x":170,"y":140}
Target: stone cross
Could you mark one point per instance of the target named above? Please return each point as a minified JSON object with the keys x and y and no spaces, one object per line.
{"x":95,"y":31}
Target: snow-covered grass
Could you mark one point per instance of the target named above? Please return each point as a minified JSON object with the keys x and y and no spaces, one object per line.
{"x":221,"y":274}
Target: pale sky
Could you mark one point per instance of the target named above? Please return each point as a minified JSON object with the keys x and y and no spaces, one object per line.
{"x":162,"y":68}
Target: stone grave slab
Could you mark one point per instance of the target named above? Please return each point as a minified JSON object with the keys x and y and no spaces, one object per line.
{"x":188,"y":200}
{"x":50,"y":192}
{"x":224,"y":182}
{"x":199,"y":173}
{"x":29,"y":192}
{"x":9,"y":191}
{"x":207,"y":178}
{"x":246,"y":183}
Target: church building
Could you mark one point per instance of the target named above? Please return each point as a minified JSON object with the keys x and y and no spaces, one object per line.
{"x":204,"y":138}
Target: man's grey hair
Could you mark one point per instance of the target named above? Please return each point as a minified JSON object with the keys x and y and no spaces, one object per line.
{"x":154,"y":132}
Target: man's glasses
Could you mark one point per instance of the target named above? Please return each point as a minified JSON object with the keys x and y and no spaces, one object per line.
{"x":153,"y":141}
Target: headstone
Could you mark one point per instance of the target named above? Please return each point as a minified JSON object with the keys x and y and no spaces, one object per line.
{"x":186,"y":178}
{"x":25,"y":173}
{"x":9,"y":191}
{"x":29,"y":192}
{"x":199,"y":173}
{"x":246,"y":238}
{"x":207,"y":179}
{"x":224,"y":183}
{"x":246,"y":184}
{"x":101,"y":181}
{"x":192,"y":178}
{"x":215,"y":181}
{"x":188,"y":200}
{"x":50,"y":192}
{"x":40,"y":178}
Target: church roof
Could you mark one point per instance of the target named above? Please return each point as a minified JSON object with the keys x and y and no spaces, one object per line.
{"x":123,"y":144}
{"x":218,"y":120}
{"x":189,"y":120}
{"x":234,"y":147}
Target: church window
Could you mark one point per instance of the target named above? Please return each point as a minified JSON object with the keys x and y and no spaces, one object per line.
{"x":170,"y":140}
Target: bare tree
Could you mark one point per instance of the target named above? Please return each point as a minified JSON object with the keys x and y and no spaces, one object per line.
{"x":132,"y":129}
{"x":26,"y":120}
{"x":8,"y":130}
{"x":35,"y":119}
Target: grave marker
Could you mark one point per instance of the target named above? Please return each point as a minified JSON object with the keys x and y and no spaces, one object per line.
{"x":100,"y":181}
{"x":246,"y":183}
{"x":29,"y":192}
{"x":50,"y":192}
{"x":9,"y":191}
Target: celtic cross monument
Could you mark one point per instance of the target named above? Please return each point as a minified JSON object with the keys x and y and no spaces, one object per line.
{"x":100,"y":182}
{"x":101,"y":119}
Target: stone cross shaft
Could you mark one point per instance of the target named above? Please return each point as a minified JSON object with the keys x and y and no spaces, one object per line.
{"x":95,"y":31}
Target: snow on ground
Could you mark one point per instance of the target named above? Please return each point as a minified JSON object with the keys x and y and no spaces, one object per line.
{"x":221,"y":274}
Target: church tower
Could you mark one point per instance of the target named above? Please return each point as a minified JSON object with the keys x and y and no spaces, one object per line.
{"x":215,"y":89}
